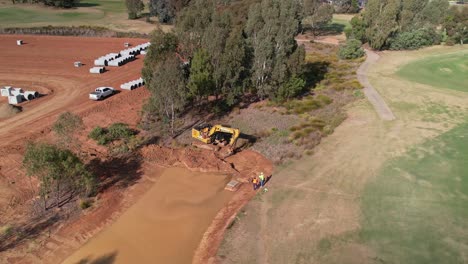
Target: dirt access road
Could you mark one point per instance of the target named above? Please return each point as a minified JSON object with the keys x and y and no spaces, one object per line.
{"x":45,"y":64}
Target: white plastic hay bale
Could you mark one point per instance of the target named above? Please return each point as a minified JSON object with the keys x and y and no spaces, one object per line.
{"x":143,"y":52}
{"x":30,"y":95}
{"x":97,"y":70}
{"x":15,"y":99}
{"x":126,"y":44}
{"x":124,"y":86}
{"x":16,"y":91}
{"x":6,"y":91}
{"x":19,"y":42}
{"x":114,"y":55}
{"x":102,"y":61}
{"x":77,"y":64}
{"x":114,"y":63}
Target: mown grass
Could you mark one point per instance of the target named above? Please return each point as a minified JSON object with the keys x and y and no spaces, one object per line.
{"x":107,"y":13}
{"x":416,"y":210}
{"x":20,"y":15}
{"x":449,"y":71}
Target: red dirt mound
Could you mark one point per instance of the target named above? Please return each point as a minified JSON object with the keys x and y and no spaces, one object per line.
{"x":193,"y":159}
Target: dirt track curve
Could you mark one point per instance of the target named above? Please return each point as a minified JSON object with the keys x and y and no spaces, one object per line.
{"x":384,"y":112}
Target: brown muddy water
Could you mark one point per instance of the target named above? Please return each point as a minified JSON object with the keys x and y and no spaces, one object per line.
{"x":164,"y":226}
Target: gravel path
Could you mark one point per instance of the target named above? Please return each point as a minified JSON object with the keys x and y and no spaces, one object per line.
{"x":384,"y":112}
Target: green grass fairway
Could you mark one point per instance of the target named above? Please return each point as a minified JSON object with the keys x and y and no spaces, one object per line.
{"x":13,"y":15}
{"x":343,"y":22}
{"x":106,"y":13}
{"x":446,"y":71}
{"x":416,"y":210}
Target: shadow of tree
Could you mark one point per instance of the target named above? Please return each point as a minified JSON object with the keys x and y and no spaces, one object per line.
{"x":249,"y":140}
{"x":331,"y":29}
{"x":16,"y":235}
{"x":105,"y":259}
{"x":84,"y":4}
{"x":314,"y":72}
{"x":122,"y":171}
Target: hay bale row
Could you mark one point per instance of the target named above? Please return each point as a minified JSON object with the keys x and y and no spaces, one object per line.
{"x":122,"y":60}
{"x":10,"y":91}
{"x":136,"y":50}
{"x":104,"y":60}
{"x":108,"y":58}
{"x":133,"y":84}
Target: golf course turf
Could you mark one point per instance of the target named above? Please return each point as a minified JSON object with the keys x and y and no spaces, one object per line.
{"x":448,"y":71}
{"x":415,"y":210}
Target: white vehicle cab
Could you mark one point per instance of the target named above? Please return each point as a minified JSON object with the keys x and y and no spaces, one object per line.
{"x":101,"y":93}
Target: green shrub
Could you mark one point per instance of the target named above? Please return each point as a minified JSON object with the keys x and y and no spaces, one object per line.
{"x":116,"y":131}
{"x":6,"y":230}
{"x":119,"y":131}
{"x":357,"y":30}
{"x":415,"y":39}
{"x":351,"y":50}
{"x":291,"y":89}
{"x":97,"y":133}
{"x":85,"y":203}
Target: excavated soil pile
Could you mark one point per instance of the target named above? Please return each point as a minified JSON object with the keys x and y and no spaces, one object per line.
{"x":193,"y":159}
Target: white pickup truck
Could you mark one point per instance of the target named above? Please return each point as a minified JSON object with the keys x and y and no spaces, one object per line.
{"x":101,"y":93}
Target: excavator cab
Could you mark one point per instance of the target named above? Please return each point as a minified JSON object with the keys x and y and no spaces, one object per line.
{"x":201,"y":132}
{"x":217,"y":135}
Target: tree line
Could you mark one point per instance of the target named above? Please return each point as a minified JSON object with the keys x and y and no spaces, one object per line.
{"x":409,"y":24}
{"x":167,"y":10}
{"x":55,"y":3}
{"x":223,"y":52}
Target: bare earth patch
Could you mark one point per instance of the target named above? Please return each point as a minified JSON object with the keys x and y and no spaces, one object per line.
{"x":7,"y":110}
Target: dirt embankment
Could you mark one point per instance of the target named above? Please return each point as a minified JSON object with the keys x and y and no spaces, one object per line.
{"x":193,"y":159}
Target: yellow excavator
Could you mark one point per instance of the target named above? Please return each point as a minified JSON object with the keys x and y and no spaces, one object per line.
{"x":217,"y":135}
